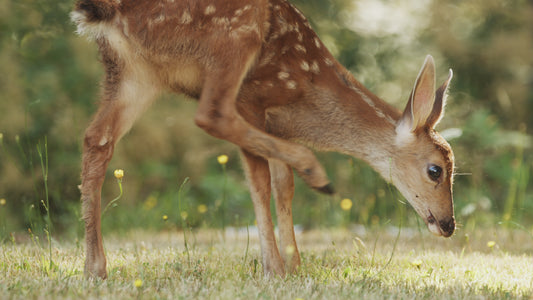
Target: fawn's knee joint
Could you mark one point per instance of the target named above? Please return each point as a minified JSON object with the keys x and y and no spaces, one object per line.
{"x":103,"y":141}
{"x":97,"y":140}
{"x":216,"y":124}
{"x":202,"y":121}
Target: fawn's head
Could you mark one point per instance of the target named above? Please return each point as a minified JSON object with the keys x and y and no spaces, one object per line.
{"x":423,"y":162}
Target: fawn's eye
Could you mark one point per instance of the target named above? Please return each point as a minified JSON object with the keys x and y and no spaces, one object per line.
{"x":434,"y":172}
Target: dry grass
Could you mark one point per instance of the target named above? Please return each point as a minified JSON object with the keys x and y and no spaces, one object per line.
{"x":337,"y":264}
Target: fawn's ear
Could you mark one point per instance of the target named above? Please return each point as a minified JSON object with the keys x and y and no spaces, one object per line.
{"x":440,"y":102}
{"x":421,"y":106}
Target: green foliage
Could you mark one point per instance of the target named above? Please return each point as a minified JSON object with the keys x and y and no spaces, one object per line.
{"x":49,"y":90}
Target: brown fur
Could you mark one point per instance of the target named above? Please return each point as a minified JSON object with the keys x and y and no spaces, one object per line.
{"x":97,"y":10}
{"x":263,"y":81}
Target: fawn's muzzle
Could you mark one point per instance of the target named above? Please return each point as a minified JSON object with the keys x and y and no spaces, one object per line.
{"x":441,"y":227}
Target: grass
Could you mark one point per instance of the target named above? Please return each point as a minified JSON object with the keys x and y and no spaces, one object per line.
{"x":336,"y":264}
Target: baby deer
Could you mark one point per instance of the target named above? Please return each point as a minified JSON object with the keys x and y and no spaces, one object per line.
{"x":265,"y":82}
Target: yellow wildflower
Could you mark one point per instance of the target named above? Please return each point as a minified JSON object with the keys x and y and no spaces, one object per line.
{"x":119,"y":173}
{"x":165,"y":218}
{"x":150,"y":202}
{"x":3,"y":202}
{"x":184,"y":215}
{"x":289,"y":250}
{"x":416,"y":263}
{"x":138,"y":283}
{"x":222,"y":159}
{"x":346,"y":204}
{"x":202,"y":208}
{"x":491,"y":244}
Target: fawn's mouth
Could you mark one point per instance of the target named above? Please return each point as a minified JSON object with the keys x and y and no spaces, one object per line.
{"x":444,"y":227}
{"x":433,"y":225}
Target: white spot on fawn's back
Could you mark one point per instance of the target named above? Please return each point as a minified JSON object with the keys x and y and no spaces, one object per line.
{"x":304,"y":65}
{"x":291,"y":84}
{"x":283,"y":75}
{"x":246,"y":30}
{"x":222,"y":22}
{"x":315,"y":68}
{"x":186,"y":18}
{"x":317,"y":43}
{"x":300,"y":48}
{"x":210,"y":10}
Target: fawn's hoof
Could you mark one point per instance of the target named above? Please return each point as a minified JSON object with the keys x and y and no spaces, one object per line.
{"x":93,"y":271}
{"x":327,"y":189}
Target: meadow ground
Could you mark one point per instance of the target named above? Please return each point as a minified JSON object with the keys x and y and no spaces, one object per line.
{"x":354,"y":263}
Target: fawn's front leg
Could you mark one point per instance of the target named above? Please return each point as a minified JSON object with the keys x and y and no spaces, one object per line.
{"x":217,"y":115}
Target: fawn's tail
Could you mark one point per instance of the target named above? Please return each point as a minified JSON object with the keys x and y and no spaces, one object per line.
{"x":97,"y":10}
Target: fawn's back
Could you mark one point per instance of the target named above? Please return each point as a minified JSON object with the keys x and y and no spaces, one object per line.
{"x":173,"y":45}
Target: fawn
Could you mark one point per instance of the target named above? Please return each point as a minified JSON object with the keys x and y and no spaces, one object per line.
{"x":265,"y":82}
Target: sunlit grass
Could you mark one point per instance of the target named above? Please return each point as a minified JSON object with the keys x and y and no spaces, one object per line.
{"x":336,"y":264}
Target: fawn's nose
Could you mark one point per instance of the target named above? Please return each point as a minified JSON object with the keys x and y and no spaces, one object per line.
{"x":447,"y":226}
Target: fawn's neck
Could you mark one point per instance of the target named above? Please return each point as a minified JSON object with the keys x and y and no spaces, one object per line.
{"x":369,"y":127}
{"x":341,"y":115}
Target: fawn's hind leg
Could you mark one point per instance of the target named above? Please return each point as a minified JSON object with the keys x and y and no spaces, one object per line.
{"x":125,"y":97}
{"x":283,"y":190}
{"x":258,"y":175}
